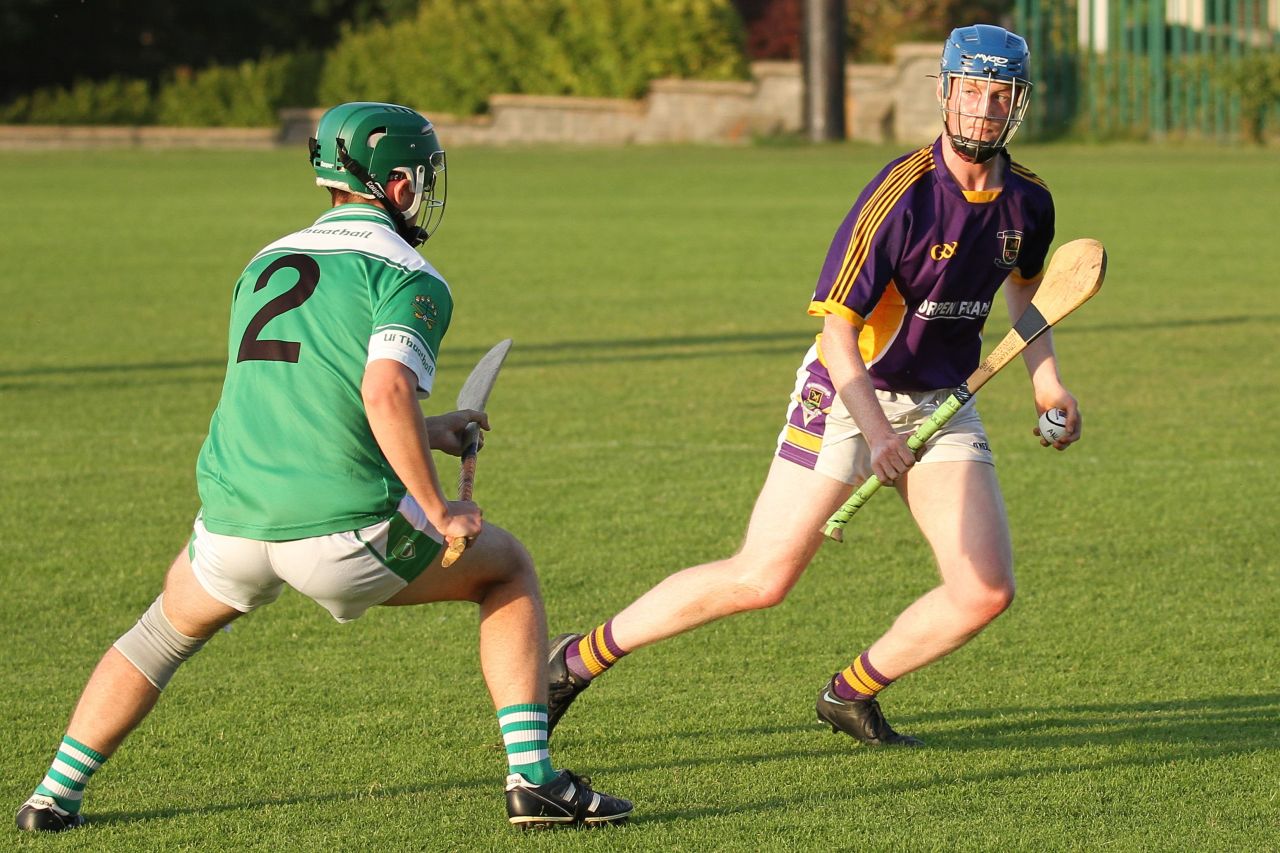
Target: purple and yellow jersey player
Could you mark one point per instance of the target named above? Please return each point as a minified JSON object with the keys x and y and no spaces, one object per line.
{"x":917,"y":261}
{"x":914,"y":267}
{"x":903,"y":296}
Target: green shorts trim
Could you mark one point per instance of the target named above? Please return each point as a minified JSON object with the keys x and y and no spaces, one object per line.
{"x":409,"y":550}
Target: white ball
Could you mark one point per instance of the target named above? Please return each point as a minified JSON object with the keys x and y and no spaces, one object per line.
{"x":1053,"y":424}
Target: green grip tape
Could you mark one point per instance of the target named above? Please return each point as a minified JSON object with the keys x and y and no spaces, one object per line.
{"x":841,"y":517}
{"x":936,"y":421}
{"x":945,"y":412}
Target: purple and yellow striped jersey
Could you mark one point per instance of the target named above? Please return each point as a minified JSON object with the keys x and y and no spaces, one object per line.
{"x":917,"y":262}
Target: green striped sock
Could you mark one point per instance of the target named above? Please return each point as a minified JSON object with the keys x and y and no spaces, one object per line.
{"x":524,"y":731}
{"x":70,"y":772}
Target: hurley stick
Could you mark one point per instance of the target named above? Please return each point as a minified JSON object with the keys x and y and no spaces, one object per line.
{"x":474,"y":395}
{"x":1074,"y":275}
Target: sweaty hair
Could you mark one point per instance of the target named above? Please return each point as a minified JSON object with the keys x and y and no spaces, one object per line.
{"x":337,"y":197}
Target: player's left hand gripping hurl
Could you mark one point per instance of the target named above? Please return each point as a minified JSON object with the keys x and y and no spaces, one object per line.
{"x":317,"y":473}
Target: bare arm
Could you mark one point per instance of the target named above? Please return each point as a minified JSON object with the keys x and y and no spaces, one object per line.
{"x":391,"y":404}
{"x":1042,"y":365}
{"x":890,"y":456}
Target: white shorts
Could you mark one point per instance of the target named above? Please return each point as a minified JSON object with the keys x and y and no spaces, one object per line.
{"x":821,"y":435}
{"x":345,"y":573}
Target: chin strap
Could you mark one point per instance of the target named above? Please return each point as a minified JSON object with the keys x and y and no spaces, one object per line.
{"x":973,"y":150}
{"x":411,"y":234}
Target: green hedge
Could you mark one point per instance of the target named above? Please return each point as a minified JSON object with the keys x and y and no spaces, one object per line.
{"x":1252,"y":80}
{"x":451,"y":56}
{"x":113,"y":101}
{"x":246,"y":95}
{"x":1255,"y":79}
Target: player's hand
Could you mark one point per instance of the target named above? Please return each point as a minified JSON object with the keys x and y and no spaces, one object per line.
{"x":447,"y":432}
{"x":1061,"y":399}
{"x":461,"y":519}
{"x":890,"y":457}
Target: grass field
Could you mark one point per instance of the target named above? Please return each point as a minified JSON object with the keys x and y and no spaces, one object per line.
{"x":1129,"y":699}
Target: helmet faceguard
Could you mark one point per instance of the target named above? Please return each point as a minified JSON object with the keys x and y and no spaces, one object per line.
{"x":985,"y":89}
{"x":360,"y":147}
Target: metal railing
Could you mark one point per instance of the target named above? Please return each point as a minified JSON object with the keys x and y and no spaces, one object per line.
{"x":1152,"y":69}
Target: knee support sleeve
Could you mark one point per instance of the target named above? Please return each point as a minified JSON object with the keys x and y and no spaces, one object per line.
{"x":155,"y":647}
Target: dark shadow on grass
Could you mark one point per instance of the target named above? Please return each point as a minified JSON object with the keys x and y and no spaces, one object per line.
{"x":597,"y":351}
{"x":1123,"y":735}
{"x":1239,"y":723}
{"x":612,"y":349}
{"x":460,"y":358}
{"x":108,"y":818}
{"x":793,"y":345}
{"x":113,"y":376}
{"x":610,"y":344}
{"x":144,"y":367}
{"x":867,"y":787}
{"x":1179,"y":730}
{"x":1162,"y":325}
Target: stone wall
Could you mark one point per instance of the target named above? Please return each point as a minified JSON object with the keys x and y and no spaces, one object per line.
{"x":891,"y":103}
{"x":915,"y":93}
{"x":19,"y":136}
{"x":721,"y":112}
{"x":884,"y":103}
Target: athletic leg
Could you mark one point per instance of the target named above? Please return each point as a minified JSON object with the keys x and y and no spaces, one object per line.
{"x":118,"y":696}
{"x":782,"y":536}
{"x":496,"y":572}
{"x":959,"y":509}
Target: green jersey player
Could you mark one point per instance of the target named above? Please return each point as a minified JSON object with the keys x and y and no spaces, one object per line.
{"x":317,"y":472}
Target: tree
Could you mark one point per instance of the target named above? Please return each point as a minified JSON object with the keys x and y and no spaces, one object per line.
{"x":874,"y":26}
{"x":98,"y":39}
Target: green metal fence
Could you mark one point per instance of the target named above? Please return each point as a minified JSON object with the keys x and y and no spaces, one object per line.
{"x":1153,"y":69}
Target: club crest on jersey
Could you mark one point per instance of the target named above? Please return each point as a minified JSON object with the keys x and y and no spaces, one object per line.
{"x":425,"y":310}
{"x":1010,"y":245}
{"x":404,"y":549}
{"x":811,"y":402}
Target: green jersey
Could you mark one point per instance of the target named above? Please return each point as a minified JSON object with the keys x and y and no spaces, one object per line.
{"x":290,"y":453}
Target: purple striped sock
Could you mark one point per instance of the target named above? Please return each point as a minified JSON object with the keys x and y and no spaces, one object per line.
{"x":603,"y":650}
{"x":847,"y":684}
{"x":573,"y":661}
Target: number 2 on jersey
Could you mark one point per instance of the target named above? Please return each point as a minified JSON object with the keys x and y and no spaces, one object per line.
{"x":254,"y":349}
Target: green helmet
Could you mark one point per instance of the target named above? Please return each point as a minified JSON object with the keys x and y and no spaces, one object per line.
{"x":358,"y":147}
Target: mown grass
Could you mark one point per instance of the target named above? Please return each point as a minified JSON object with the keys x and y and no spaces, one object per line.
{"x":1129,"y":698}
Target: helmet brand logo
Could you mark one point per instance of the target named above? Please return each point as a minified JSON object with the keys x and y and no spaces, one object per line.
{"x":994,"y":60}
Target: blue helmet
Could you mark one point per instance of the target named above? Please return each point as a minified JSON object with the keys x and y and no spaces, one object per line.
{"x":985,"y":54}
